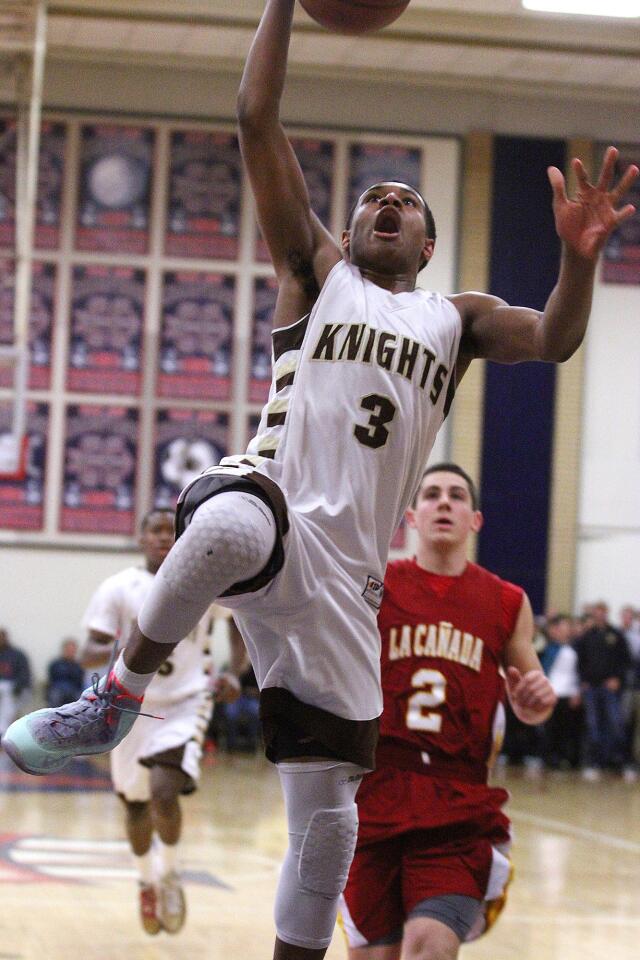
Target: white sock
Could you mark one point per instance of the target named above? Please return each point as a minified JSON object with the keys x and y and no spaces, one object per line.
{"x":144,"y":866}
{"x":167,"y":857}
{"x":135,"y":683}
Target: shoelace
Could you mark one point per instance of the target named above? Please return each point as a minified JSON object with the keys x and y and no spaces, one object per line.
{"x":107,"y":697}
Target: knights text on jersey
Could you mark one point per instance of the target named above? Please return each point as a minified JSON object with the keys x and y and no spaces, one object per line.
{"x":442,"y":645}
{"x":360,"y":389}
{"x":114,"y":609}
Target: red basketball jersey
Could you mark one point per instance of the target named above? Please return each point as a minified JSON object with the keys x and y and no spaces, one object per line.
{"x":442,"y":645}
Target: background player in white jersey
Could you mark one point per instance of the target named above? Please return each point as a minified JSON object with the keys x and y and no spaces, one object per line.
{"x":296,"y":534}
{"x":159,"y":761}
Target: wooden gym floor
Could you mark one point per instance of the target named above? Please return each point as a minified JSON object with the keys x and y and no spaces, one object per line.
{"x":67,"y":890}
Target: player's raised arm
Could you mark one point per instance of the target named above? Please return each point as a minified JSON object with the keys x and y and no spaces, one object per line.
{"x":302,"y":251}
{"x":496,"y":331}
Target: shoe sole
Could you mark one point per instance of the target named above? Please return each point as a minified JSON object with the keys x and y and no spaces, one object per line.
{"x":12,"y":750}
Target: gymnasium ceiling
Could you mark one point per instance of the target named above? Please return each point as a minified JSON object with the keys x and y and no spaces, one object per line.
{"x":481,"y":44}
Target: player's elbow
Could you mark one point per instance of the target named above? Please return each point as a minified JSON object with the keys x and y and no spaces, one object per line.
{"x":253,"y":111}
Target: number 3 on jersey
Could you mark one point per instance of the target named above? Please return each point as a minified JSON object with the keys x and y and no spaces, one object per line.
{"x":375,"y":433}
{"x":432,"y":693}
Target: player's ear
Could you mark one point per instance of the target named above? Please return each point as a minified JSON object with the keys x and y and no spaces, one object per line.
{"x":345,"y":240}
{"x":427,"y":249}
{"x":410,"y":517}
{"x":477,"y":521}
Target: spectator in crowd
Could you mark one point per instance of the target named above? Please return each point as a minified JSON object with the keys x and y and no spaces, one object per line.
{"x":630,"y":627}
{"x":15,"y":680}
{"x":563,"y":730}
{"x":603,"y":662}
{"x":65,"y":675}
{"x":242,"y":716}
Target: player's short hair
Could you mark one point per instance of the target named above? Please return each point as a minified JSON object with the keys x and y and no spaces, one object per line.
{"x":452,"y":468}
{"x":429,"y":221}
{"x":146,"y":520}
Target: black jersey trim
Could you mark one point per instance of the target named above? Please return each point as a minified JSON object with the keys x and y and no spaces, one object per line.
{"x":289,"y":338}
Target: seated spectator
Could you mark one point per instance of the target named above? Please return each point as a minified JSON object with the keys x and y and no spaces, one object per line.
{"x":242,"y":716}
{"x":563,"y":729}
{"x":603,"y":662}
{"x":65,"y":676}
{"x":15,"y":680}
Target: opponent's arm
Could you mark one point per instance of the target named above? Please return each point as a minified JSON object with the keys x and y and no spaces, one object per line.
{"x":496,"y":331}
{"x":530,"y":694}
{"x":302,"y":251}
{"x":96,"y":651}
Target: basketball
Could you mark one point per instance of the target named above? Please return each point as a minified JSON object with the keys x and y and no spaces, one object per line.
{"x":354,"y":16}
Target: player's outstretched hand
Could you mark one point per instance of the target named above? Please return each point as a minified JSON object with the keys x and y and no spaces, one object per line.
{"x":530,"y":694}
{"x":585,"y":222}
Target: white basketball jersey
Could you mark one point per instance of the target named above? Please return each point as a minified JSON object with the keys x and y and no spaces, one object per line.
{"x":114,"y":609}
{"x":360,"y":388}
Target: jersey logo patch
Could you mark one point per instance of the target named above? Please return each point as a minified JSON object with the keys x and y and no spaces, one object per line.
{"x":373,"y":592}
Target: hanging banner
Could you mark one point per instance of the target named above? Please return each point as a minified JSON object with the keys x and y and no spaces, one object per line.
{"x":186,"y":443}
{"x":371,"y":163}
{"x":22,"y":501}
{"x":196,"y":336}
{"x":205,"y":186}
{"x":264,"y":300}
{"x":621,"y":255}
{"x":41,"y":324}
{"x":116,"y":165}
{"x":49,"y":189}
{"x":316,"y":159}
{"x":105,"y":332}
{"x":99,"y":469}
{"x":53,"y":138}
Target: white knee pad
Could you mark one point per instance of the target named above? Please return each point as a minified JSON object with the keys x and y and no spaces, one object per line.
{"x":230,"y":539}
{"x":323,"y":826}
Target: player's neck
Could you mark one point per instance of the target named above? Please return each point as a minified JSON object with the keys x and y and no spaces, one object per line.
{"x":445,"y":563}
{"x":402,"y":283}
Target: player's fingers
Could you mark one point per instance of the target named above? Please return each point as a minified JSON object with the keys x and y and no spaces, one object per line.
{"x":556,"y":180}
{"x":513,"y":678}
{"x":608,"y":166}
{"x":625,"y":213}
{"x":580,"y":173}
{"x":626,"y":180}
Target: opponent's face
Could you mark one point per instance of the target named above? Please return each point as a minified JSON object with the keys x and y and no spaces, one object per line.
{"x":388,"y":230}
{"x":444,"y":514}
{"x":157,"y":538}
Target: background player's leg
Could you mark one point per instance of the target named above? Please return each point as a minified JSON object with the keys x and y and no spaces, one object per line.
{"x":391,"y":951}
{"x":166,"y":786}
{"x":139,"y":828}
{"x":428,"y":939}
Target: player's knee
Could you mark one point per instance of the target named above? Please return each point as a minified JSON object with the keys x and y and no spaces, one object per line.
{"x":427,"y":939}
{"x":327,"y":851}
{"x":229,"y":540}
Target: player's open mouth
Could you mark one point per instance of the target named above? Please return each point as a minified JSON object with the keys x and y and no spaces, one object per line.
{"x":387,"y":225}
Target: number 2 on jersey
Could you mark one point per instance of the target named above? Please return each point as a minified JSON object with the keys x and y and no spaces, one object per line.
{"x":420,"y":705}
{"x":375,"y":433}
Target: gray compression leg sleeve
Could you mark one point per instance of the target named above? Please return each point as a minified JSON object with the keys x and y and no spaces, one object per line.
{"x":230,"y":539}
{"x":322,"y":820}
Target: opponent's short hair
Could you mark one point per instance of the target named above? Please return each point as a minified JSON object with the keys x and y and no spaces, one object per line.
{"x":446,"y":467}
